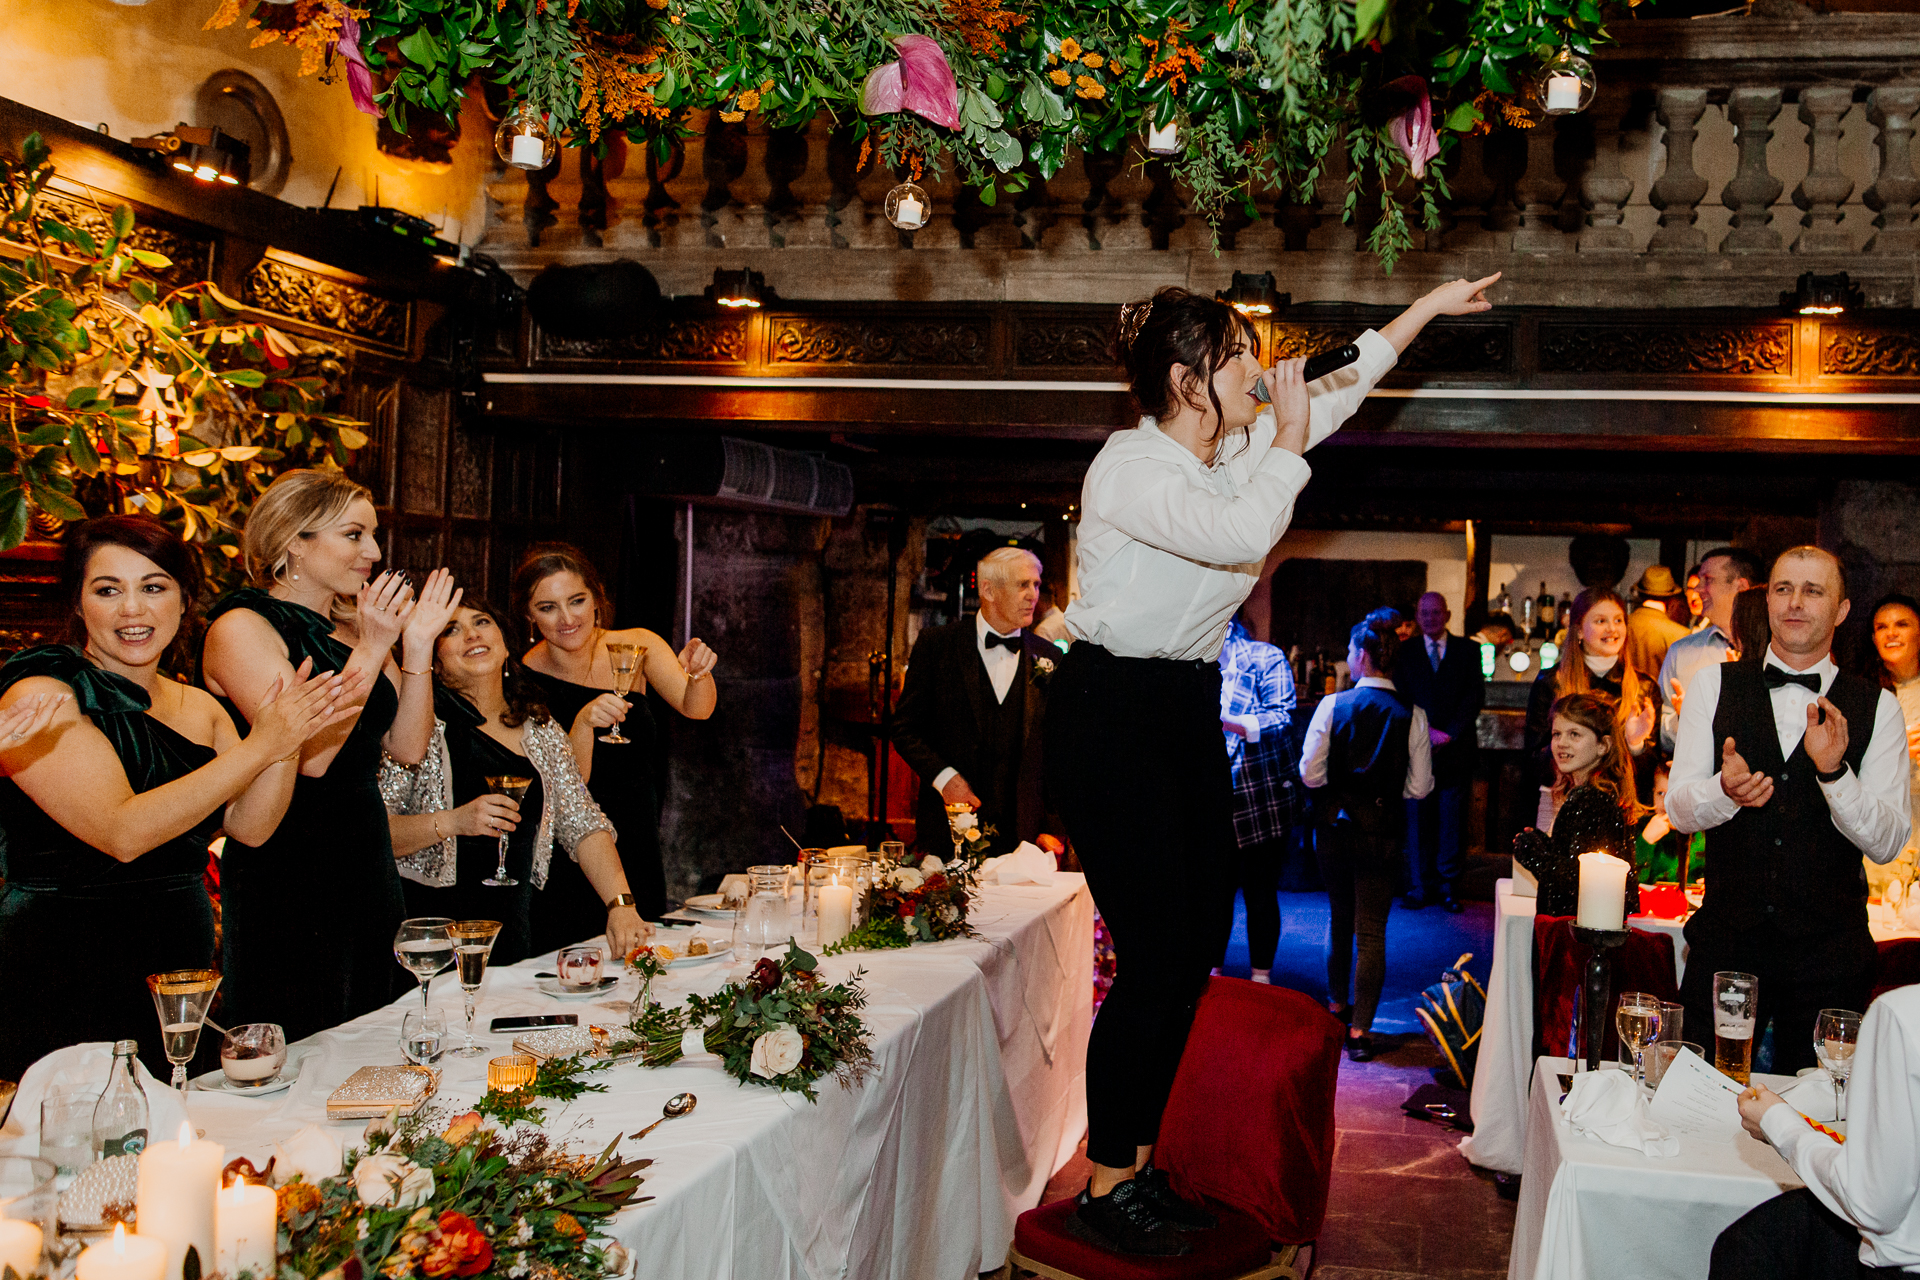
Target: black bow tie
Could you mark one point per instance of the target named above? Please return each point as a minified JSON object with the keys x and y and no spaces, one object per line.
{"x":1005,"y":642}
{"x":1806,"y":679}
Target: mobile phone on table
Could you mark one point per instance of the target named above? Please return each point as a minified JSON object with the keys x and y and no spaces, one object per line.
{"x":531,"y":1021}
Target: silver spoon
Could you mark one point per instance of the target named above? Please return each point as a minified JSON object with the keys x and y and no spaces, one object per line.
{"x":678,"y":1105}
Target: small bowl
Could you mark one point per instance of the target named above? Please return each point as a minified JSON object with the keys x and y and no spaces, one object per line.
{"x":253,"y":1055}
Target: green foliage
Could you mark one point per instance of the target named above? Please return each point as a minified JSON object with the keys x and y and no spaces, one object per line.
{"x":556,"y":1078}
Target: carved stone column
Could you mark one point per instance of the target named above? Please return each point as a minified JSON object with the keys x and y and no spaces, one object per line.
{"x":593,"y":194}
{"x":538,"y":210}
{"x":1505,"y":158}
{"x":1753,"y":189}
{"x":1331,"y":234}
{"x":786,"y":164}
{"x":1472,"y":187}
{"x":1825,"y":188}
{"x":1680,"y":189}
{"x":1895,"y":191}
{"x":662,"y":211}
{"x":1605,"y":189}
{"x":1539,"y":193}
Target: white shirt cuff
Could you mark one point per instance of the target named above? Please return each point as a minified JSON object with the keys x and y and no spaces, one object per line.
{"x":1250,"y":723}
{"x":1783,"y":1127}
{"x":942,"y":778}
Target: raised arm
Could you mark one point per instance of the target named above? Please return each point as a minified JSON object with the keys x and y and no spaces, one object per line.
{"x":1455,"y":298}
{"x":420,"y":623}
{"x":253,"y":815}
{"x":686,"y":681}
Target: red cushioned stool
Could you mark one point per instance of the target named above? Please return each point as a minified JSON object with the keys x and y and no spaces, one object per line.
{"x":1248,"y":1131}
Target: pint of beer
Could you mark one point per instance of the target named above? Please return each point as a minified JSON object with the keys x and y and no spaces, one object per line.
{"x":1736,"y":1002}
{"x":1733,"y":1049}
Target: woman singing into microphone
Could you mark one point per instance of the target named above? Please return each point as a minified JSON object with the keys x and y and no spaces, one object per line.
{"x":1178,"y":516}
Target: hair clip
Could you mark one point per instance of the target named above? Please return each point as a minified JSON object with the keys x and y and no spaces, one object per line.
{"x":1133,"y":316}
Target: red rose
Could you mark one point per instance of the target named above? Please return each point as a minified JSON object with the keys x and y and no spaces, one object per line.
{"x":936,"y":882}
{"x":459,"y":1249}
{"x":907,"y":910}
{"x":765,"y":976}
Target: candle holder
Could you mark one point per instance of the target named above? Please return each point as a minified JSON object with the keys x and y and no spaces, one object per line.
{"x":510,"y":1072}
{"x":1598,"y":993}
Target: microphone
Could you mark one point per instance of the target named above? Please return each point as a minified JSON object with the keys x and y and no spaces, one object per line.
{"x":1317,"y":367}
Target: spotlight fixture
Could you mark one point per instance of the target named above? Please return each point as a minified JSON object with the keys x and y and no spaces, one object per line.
{"x":743,"y":288}
{"x":1252,"y":294}
{"x":207,"y":154}
{"x":1814,"y":295}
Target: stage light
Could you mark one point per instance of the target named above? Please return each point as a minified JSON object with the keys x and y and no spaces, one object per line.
{"x":1253,"y":294}
{"x":209,"y":154}
{"x":1814,"y":295}
{"x":740,"y":289}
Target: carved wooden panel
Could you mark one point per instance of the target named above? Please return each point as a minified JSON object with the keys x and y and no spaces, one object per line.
{"x":1292,"y":341}
{"x":1667,"y":349}
{"x":330,"y":303}
{"x":1869,"y":353}
{"x":423,"y":453}
{"x":192,"y":255}
{"x":816,"y":340}
{"x":1459,"y":349}
{"x":1043,"y":343}
{"x":683,"y":340}
{"x":469,"y":473}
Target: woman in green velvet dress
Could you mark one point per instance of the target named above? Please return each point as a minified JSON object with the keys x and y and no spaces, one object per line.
{"x":115,"y":782}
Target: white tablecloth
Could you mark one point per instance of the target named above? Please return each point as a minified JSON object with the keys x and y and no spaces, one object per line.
{"x":978,"y":1096}
{"x":1590,"y":1211}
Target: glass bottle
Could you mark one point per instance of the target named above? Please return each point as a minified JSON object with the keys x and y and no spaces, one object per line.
{"x":120,"y":1118}
{"x":1547,"y":608}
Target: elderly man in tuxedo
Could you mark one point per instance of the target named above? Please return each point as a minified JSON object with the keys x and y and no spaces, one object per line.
{"x":970,"y":713}
{"x":1441,"y":675}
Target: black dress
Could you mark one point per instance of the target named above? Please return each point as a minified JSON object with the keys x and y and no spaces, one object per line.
{"x":1537,"y":741}
{"x":476,"y":756}
{"x":80,"y":930}
{"x":568,"y":910}
{"x":1589,"y":821}
{"x":308,"y":918}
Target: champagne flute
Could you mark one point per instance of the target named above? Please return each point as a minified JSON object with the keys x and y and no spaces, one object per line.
{"x":515,"y":789}
{"x":1835,"y":1034}
{"x":472,"y":946}
{"x":423,"y":947}
{"x":1638,"y":1020}
{"x":182,"y":997}
{"x":625,"y":661}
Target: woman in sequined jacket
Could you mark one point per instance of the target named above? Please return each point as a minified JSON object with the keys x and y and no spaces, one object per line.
{"x":454,"y":830}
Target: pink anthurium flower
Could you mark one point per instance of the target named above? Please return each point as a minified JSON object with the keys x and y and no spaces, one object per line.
{"x":920,"y":82}
{"x":359,"y":78}
{"x":1412,"y":129}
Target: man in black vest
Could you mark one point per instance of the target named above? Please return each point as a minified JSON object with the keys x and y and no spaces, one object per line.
{"x":1793,"y":769}
{"x":970,"y":712}
{"x":1440,"y":674}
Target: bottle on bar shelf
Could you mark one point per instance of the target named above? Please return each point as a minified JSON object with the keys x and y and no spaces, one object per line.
{"x":1566,"y":607}
{"x":1525,"y":618}
{"x":1546,"y":611}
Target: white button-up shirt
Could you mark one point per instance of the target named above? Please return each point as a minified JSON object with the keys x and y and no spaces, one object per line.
{"x":1170,"y":547}
{"x":1685,"y":657}
{"x":1002,"y":664}
{"x":1318,"y":743}
{"x":1869,"y":808}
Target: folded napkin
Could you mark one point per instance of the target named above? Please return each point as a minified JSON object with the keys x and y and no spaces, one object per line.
{"x":735,"y":886}
{"x":1812,"y":1096}
{"x":1608,"y":1105}
{"x":84,"y":1066}
{"x":1028,"y":864}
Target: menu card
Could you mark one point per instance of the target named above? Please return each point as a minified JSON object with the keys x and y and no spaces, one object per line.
{"x":1695,"y":1098}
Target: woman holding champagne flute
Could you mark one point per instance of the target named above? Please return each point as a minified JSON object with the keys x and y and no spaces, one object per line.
{"x":474,"y":824}
{"x":576,"y":662}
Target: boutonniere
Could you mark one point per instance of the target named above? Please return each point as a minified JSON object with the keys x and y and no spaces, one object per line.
{"x":1042,"y":669}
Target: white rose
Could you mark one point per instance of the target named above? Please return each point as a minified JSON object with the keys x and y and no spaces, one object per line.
{"x":964,"y":821}
{"x":906,"y":879}
{"x":777,"y":1052}
{"x":392,"y":1182}
{"x":313,"y":1153}
{"x":931,"y":865}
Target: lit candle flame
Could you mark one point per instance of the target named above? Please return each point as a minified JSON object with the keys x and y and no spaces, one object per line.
{"x":120,"y":1238}
{"x":186,"y":1134}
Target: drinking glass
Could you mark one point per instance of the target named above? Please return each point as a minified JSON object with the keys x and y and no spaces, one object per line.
{"x":424,"y":947}
{"x":1673,"y":1019}
{"x":1835,"y":1033}
{"x":765,"y":923}
{"x":253,"y":1054}
{"x":578,"y":968}
{"x":182,"y":997}
{"x":515,"y":789}
{"x":472,"y":947}
{"x":1893,"y":895}
{"x":625,"y":661}
{"x":66,"y":1130}
{"x":1664,"y":1052}
{"x":1638,"y":1020}
{"x":423,"y":1036}
{"x":1736,"y":1002}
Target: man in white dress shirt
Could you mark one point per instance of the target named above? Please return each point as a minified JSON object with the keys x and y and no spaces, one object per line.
{"x":1794,"y":769}
{"x":1724,"y":573}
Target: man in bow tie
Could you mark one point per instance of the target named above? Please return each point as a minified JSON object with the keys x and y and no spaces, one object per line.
{"x":1793,"y":769}
{"x":970,"y":712}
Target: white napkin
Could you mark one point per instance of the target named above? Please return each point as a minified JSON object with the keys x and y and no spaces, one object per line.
{"x":1028,"y":864}
{"x":1608,"y":1105}
{"x":735,"y":886}
{"x":1812,"y":1096}
{"x":85,"y":1066}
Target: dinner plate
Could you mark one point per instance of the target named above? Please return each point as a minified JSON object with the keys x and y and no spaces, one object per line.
{"x":685,"y":962}
{"x":709,"y":904}
{"x":549,"y":985}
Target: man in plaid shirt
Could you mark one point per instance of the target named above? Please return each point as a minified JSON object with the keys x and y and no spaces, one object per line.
{"x":1263,"y":750}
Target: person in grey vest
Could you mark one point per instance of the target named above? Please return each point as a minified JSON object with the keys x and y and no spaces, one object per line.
{"x":1794,"y":769}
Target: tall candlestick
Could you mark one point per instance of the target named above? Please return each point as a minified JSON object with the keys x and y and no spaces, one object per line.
{"x":836,"y":913}
{"x":175,"y":1196}
{"x":1603,"y":892}
{"x":124,"y":1257}
{"x":19,"y":1246}
{"x":245,"y":1229}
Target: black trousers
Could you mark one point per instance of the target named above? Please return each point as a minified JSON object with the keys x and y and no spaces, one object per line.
{"x":1791,"y":1237}
{"x":1256,"y":874}
{"x":1798,"y":978}
{"x":1137,"y":768}
{"x":1357,"y":864}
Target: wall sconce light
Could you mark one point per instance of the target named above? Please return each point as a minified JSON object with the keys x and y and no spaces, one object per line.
{"x":1814,"y":295}
{"x":739,"y":289}
{"x":207,"y":154}
{"x":1254,"y":294}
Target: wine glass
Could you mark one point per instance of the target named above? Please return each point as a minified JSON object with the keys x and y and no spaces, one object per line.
{"x":423,"y":947}
{"x":182,"y":997}
{"x":472,"y":947}
{"x":1835,"y":1034}
{"x":423,"y":1036}
{"x":625,"y":661}
{"x":515,"y":789}
{"x":1638,"y":1020}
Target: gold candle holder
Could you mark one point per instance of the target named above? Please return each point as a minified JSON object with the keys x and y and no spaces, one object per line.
{"x":511,"y":1072}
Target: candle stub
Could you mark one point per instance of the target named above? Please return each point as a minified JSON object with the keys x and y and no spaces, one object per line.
{"x":528,"y":151}
{"x":1603,"y":892}
{"x":1563,"y":92}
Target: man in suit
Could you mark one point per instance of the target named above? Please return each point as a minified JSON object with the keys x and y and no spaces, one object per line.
{"x":1651,"y":629}
{"x":970,"y":713}
{"x":1440,"y":674}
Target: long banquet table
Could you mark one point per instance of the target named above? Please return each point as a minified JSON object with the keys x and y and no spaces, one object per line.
{"x":918,"y":1174}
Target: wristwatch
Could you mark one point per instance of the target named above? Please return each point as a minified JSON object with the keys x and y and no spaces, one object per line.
{"x":1835,"y":776}
{"x":620,"y":900}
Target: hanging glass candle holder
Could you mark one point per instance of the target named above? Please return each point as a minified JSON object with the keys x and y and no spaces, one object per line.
{"x":523,"y":139}
{"x":1566,"y":84}
{"x":908,"y":207}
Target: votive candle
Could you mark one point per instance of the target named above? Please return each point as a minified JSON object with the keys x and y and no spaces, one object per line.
{"x":1164,"y":140}
{"x":529,"y":151}
{"x":510,"y":1072}
{"x":1563,"y":92}
{"x":910,"y":212}
{"x":245,"y":1229}
{"x":836,"y":913}
{"x":175,"y":1196}
{"x":125,"y":1257}
{"x":1603,"y":892}
{"x":19,"y":1246}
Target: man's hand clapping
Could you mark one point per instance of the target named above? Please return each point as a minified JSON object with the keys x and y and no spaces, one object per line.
{"x":1744,"y":787}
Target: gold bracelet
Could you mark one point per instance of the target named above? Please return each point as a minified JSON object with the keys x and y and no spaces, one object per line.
{"x":409,"y":671}
{"x":437,"y":837}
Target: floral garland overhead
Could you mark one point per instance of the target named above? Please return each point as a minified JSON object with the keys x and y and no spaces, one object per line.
{"x":1003,"y":90}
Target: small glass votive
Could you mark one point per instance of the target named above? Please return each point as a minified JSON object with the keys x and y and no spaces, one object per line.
{"x":893,"y":851}
{"x":1673,"y":1018}
{"x":510,"y":1072}
{"x":1661,"y":1056}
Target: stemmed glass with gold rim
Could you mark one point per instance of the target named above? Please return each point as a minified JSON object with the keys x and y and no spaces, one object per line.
{"x":472,"y":948}
{"x":625,"y":661}
{"x":514,"y":788}
{"x":182,"y":997}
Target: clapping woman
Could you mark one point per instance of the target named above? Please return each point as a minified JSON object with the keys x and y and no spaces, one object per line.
{"x":447,"y":821}
{"x":117,"y":776}
{"x":309,"y":914}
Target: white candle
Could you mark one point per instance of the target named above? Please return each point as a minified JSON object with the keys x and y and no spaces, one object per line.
{"x":1563,"y":92}
{"x":1164,"y":140}
{"x":124,"y":1257}
{"x":175,"y":1196}
{"x":245,"y":1229}
{"x":1603,"y":892}
{"x":836,"y":913}
{"x":910,"y":213}
{"x":528,"y":151}
{"x":19,"y":1246}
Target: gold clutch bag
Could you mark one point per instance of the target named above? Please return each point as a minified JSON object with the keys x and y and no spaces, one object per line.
{"x":548,"y":1043}
{"x":376,"y":1091}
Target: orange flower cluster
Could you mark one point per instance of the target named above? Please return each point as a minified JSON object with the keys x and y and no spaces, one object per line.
{"x":614,"y":88}
{"x":983,"y":24}
{"x":748,"y":101}
{"x":1491,"y":104}
{"x":311,"y":26}
{"x":1088,"y":87}
{"x":295,"y":1200}
{"x":459,"y":1248}
{"x":1180,"y":60}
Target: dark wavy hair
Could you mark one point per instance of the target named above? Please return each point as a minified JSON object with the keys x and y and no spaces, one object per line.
{"x":1377,"y":639}
{"x":542,"y":561}
{"x":157,"y":543}
{"x":1181,"y":328}
{"x":525,"y":701}
{"x":1752,"y":627}
{"x":1614,"y":774}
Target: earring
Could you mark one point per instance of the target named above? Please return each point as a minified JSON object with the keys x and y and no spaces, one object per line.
{"x":293,"y":570}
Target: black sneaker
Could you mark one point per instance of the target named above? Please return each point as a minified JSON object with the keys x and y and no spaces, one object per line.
{"x":1182,"y":1215}
{"x":1360,"y":1048}
{"x":1123,"y":1222}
